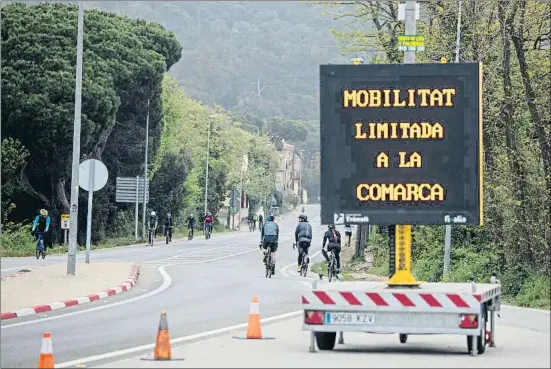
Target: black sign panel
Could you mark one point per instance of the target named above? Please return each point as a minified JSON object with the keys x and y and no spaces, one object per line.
{"x":401,"y":144}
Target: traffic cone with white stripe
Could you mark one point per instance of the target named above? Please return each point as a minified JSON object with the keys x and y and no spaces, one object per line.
{"x":162,"y":345}
{"x":46,"y":359}
{"x":254,"y":332}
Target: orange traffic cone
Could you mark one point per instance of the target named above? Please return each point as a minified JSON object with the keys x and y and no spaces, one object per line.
{"x":162,"y":345}
{"x":46,"y":359}
{"x":254,"y":331}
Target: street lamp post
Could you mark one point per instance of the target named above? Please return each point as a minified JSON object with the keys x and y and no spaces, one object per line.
{"x":300,"y":177}
{"x":211,"y":117}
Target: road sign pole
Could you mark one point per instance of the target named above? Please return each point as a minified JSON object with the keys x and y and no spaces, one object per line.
{"x":402,"y":233}
{"x":137,"y":209}
{"x":73,"y":230}
{"x":89,"y":216}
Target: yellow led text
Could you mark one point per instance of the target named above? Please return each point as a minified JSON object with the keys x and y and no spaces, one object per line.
{"x":395,"y":98}
{"x":400,"y":192}
{"x":398,"y":131}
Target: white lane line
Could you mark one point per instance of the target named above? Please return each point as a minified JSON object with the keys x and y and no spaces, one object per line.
{"x":20,"y":267}
{"x":527,"y":309}
{"x":191,"y":253}
{"x":173,"y":341}
{"x":167,"y":281}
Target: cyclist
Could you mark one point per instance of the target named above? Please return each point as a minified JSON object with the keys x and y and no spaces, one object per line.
{"x":208,"y":221}
{"x":41,"y":224}
{"x":250,"y":221}
{"x":269,"y":236}
{"x":152,"y":223}
{"x":303,"y":238}
{"x":191,"y":223}
{"x":169,"y":223}
{"x":255,"y":219}
{"x":260,"y":221}
{"x":348,"y":233}
{"x":333,"y":239}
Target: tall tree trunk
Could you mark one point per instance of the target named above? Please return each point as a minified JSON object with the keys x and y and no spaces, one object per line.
{"x":61,"y":196}
{"x":523,"y":243}
{"x":544,"y":138}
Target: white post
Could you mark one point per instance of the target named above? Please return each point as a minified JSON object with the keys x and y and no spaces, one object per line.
{"x":409,"y":56}
{"x":448,"y":227}
{"x":89,"y":216}
{"x":137,"y":210}
{"x":73,"y":227}
{"x":458,"y":33}
{"x":447,"y":248}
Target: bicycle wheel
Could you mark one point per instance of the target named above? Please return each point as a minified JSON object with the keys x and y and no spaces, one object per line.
{"x":43,"y":254}
{"x":167,"y":238}
{"x":37,"y":253}
{"x":269,"y":265}
{"x":330,"y":270}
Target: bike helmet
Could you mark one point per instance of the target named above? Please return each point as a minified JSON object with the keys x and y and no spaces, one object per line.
{"x":191,"y":215}
{"x":331,"y":226}
{"x":168,"y":215}
{"x":303,"y":217}
{"x":153,"y":213}
{"x":44,"y":212}
{"x":271,"y":218}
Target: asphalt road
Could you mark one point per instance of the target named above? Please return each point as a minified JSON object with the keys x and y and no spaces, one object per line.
{"x":205,"y":286}
{"x":201,"y":284}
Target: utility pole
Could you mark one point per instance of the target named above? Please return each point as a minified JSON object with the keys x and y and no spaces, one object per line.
{"x":360,"y":233}
{"x":207,"y":164}
{"x":241,"y":186}
{"x":145,"y":171}
{"x":448,"y":227}
{"x":73,"y":222}
{"x":300,"y":177}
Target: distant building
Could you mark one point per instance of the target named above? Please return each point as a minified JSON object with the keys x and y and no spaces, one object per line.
{"x":289,"y":171}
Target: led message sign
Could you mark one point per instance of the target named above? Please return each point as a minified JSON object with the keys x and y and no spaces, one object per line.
{"x":401,"y":144}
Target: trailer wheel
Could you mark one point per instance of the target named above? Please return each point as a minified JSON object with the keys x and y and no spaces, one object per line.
{"x":326,"y":340}
{"x":403,"y":338}
{"x":480,"y":340}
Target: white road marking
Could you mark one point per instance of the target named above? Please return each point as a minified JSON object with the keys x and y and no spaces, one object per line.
{"x":173,"y":341}
{"x":20,"y":267}
{"x":167,"y":281}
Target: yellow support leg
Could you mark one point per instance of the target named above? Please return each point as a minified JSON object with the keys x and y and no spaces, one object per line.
{"x":402,"y":244}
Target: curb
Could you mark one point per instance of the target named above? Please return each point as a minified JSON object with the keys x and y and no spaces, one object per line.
{"x":128,"y":284}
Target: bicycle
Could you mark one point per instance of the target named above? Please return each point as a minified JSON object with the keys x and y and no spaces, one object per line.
{"x":168,"y":234}
{"x":190,"y":233}
{"x":40,"y":250}
{"x":304,"y":261}
{"x":207,"y":231}
{"x":150,"y":237}
{"x":269,"y":263}
{"x":332,"y":267}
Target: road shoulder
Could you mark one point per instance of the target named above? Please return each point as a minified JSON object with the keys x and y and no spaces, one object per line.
{"x":516,"y":347}
{"x":33,"y":292}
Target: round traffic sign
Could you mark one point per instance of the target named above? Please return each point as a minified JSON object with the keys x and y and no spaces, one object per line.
{"x":92,"y":168}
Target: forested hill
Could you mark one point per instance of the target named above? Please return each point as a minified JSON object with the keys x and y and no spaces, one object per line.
{"x":259,"y":58}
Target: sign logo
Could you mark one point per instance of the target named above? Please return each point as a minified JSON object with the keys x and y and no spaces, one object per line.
{"x":457,"y":219}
